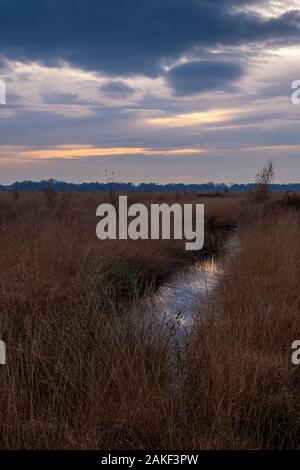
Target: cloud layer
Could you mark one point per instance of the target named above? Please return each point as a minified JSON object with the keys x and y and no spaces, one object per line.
{"x":199,"y":76}
{"x":125,"y":84}
{"x":133,"y":36}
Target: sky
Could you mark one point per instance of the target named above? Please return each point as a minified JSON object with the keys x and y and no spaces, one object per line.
{"x":161,"y":91}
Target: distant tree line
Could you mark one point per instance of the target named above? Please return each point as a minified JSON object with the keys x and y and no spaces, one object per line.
{"x":142,"y":187}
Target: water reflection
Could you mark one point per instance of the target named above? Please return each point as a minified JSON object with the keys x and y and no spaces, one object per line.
{"x":179,"y":298}
{"x":187,"y":291}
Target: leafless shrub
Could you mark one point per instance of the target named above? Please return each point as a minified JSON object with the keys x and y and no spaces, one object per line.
{"x":16,"y":191}
{"x":49,"y":191}
{"x":263,"y":180}
{"x":110,"y":180}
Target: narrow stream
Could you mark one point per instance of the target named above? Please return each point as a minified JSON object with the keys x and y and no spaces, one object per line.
{"x":188,"y":291}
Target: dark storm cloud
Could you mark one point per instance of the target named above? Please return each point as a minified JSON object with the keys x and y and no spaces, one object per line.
{"x":127,"y":37}
{"x":199,"y":76}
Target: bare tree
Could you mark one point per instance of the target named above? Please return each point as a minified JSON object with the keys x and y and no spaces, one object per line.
{"x":16,"y":190}
{"x":49,"y":192}
{"x":110,"y":180}
{"x":263,"y":180}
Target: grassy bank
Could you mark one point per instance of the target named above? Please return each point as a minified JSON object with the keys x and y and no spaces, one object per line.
{"x":240,"y":382}
{"x":78,"y":365}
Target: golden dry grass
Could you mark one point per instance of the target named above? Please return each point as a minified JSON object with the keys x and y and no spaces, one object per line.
{"x":241,"y":380}
{"x":84,"y":372}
